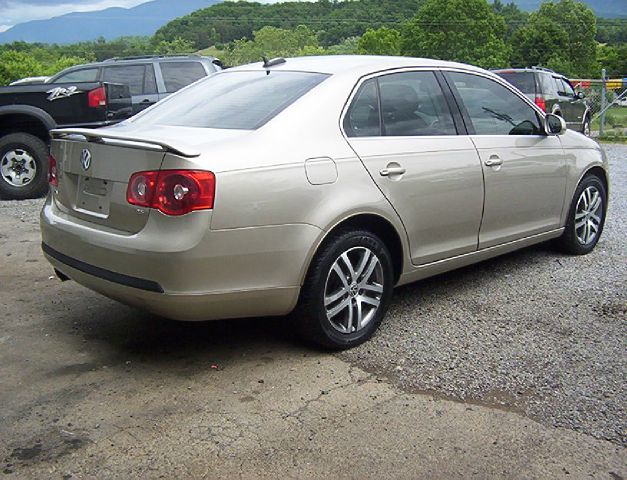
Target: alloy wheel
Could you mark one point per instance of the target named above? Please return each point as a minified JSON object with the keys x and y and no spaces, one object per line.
{"x":353,"y":290}
{"x":588,"y":215}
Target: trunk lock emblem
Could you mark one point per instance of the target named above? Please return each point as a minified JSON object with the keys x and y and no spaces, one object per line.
{"x":85,"y":159}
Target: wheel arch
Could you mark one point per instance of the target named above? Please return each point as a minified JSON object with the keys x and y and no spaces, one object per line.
{"x":26,"y":119}
{"x":599,"y":172}
{"x":375,"y":223}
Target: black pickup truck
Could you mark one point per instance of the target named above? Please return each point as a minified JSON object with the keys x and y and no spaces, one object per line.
{"x":29,"y":112}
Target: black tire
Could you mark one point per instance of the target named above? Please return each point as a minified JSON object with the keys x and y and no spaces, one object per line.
{"x":570,"y":242}
{"x":311,"y":314}
{"x":36,"y":149}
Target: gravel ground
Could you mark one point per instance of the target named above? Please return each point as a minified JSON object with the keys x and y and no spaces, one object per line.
{"x":534,"y":331}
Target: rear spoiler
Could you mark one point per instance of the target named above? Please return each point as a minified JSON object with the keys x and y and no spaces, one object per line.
{"x":122,"y":140}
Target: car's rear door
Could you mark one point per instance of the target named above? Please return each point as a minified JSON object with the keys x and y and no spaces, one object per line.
{"x":407,"y":133}
{"x":573,"y":108}
{"x":141,"y":81}
{"x":524,"y":169}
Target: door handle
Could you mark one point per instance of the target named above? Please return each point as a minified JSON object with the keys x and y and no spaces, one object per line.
{"x":493,"y":161}
{"x":145,"y":101}
{"x":386,"y":172}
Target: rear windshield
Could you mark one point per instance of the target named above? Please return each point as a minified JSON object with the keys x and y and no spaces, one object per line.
{"x":524,"y":81}
{"x":237,"y":100}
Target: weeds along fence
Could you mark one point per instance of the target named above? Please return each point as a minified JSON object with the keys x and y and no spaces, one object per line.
{"x":607,"y":98}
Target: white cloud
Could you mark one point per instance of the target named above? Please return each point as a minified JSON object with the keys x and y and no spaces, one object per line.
{"x":13,"y":12}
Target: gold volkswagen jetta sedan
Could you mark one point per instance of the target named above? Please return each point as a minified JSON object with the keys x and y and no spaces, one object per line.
{"x":317,"y":184}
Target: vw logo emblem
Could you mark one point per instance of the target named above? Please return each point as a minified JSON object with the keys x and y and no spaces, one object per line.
{"x":85,"y":159}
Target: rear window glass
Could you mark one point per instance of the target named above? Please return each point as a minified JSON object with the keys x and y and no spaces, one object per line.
{"x":523,"y":81}
{"x":233,"y":100}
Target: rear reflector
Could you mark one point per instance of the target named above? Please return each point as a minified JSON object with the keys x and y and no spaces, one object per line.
{"x":53,"y":173}
{"x":173,"y":192}
{"x":541,"y":103}
{"x":97,"y":97}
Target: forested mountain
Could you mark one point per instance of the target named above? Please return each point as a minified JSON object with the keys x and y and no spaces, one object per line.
{"x":235,"y":20}
{"x":602,"y":8}
{"x":334,"y":21}
{"x":111,"y":23}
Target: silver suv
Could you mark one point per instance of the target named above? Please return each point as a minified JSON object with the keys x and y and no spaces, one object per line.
{"x":150,"y":78}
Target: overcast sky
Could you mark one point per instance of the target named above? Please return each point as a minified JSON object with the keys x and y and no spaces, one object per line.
{"x":20,"y":11}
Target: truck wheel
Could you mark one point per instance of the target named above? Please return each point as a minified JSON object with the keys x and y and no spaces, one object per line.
{"x":23,"y":166}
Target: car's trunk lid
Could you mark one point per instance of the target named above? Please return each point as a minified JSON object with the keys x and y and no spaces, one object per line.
{"x":94,"y":168}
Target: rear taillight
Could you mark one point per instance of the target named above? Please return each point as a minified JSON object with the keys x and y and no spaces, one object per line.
{"x":173,"y":192}
{"x":541,"y":103}
{"x":97,"y":97}
{"x":53,"y":173}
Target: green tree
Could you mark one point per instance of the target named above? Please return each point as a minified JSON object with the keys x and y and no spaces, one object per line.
{"x":579,"y":23}
{"x":15,"y":65}
{"x":383,"y":41}
{"x":459,"y":30}
{"x":350,"y":46}
{"x":178,"y":45}
{"x":613,"y":58}
{"x":514,"y":17}
{"x":273,"y":42}
{"x":539,"y":42}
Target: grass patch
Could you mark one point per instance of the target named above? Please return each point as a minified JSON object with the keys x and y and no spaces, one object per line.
{"x":615,"y":117}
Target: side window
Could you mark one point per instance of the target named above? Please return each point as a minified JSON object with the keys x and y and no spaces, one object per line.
{"x":85,"y":75}
{"x":150,"y":82}
{"x":131,"y":75}
{"x":568,"y":89}
{"x":559,"y":85}
{"x":362,"y":118}
{"x":412,"y":104}
{"x":547,"y":87}
{"x":494,"y":109}
{"x":177,"y":75}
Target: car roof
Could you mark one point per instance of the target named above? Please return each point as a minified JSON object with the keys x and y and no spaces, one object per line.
{"x":354,"y":64}
{"x":539,"y":70}
{"x":133,"y":60}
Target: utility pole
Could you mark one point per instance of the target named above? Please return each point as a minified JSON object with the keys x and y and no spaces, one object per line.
{"x":603,"y":102}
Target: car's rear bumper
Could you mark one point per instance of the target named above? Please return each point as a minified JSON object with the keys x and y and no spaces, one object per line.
{"x":201,"y":274}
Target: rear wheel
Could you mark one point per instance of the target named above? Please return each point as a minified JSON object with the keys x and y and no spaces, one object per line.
{"x":23,"y":166}
{"x":586,"y":217}
{"x":347,"y":291}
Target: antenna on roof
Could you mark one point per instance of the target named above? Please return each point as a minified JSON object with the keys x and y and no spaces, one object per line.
{"x":272,"y":63}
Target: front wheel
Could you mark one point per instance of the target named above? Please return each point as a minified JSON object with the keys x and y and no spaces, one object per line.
{"x":586,"y":217}
{"x":23,"y":166}
{"x":347,"y":291}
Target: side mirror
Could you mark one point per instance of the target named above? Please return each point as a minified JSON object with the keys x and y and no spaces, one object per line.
{"x":554,"y":124}
{"x":580,"y":95}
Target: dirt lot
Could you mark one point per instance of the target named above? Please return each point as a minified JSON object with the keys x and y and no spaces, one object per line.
{"x":514,"y":368}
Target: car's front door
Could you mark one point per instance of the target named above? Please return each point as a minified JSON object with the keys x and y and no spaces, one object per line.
{"x":524,"y":169}
{"x":403,"y":128}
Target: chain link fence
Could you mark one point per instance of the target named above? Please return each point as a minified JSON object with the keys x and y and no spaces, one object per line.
{"x":607,"y":99}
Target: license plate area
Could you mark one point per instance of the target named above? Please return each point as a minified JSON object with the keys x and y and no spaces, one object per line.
{"x":93,"y":196}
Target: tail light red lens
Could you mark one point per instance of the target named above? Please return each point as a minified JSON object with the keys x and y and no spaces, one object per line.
{"x":53,"y":173}
{"x":97,"y":97}
{"x":173,"y":192}
{"x":541,"y":103}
